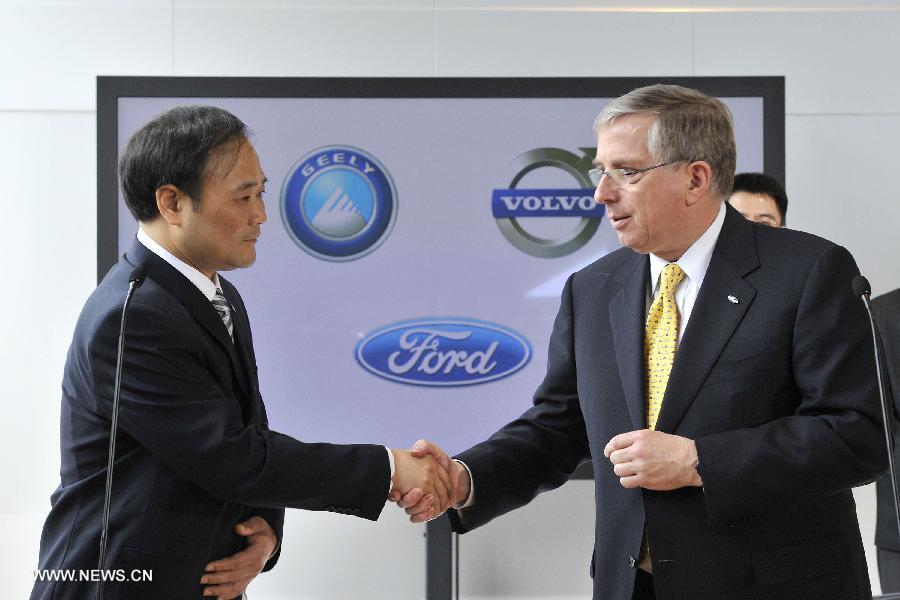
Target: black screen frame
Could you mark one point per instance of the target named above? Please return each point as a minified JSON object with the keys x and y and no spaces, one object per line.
{"x":440,"y":567}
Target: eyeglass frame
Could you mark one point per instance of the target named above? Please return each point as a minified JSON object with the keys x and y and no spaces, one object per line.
{"x":599,"y":173}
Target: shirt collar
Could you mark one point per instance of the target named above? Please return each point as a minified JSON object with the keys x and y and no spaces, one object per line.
{"x":203,"y":283}
{"x":695,"y":261}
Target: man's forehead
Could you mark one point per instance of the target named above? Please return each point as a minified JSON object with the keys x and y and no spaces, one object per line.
{"x":757,"y":197}
{"x":635,"y":125}
{"x":626,"y":136}
{"x":247,"y":184}
{"x":234,"y":160}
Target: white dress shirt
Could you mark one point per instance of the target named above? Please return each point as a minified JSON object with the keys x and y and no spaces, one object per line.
{"x":203,"y":283}
{"x":694,"y":262}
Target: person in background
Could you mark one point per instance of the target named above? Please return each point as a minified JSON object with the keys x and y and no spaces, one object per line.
{"x":759,"y":197}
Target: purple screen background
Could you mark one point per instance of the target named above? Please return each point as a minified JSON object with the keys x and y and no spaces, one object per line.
{"x":445,"y":256}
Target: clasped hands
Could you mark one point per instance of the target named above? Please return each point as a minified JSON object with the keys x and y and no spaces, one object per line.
{"x":427,"y":481}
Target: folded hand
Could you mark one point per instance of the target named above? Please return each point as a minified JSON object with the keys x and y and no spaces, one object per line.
{"x":229,"y":577}
{"x":653,"y":460}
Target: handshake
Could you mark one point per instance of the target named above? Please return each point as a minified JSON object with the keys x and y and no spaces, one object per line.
{"x":427,"y":482}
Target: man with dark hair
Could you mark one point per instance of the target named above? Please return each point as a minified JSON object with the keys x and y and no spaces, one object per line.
{"x":200,"y":481}
{"x":886,"y":310}
{"x":717,"y":372}
{"x":759,"y":197}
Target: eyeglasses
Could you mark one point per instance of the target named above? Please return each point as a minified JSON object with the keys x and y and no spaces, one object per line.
{"x":624,"y":176}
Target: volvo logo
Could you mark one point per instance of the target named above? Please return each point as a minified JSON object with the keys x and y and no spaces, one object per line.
{"x":443,"y":352}
{"x":338,"y":203}
{"x":512,"y":206}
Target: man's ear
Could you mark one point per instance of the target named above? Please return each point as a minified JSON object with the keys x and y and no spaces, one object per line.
{"x":700,"y":182}
{"x":171,"y":203}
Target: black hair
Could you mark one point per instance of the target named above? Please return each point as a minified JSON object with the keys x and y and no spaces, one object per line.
{"x":174,"y":148}
{"x":760,"y":183}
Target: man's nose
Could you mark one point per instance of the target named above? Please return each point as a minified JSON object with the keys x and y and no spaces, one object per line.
{"x":606,"y":190}
{"x":260,"y":214}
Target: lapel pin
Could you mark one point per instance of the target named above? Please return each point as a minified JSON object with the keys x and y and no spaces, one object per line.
{"x":732,"y":299}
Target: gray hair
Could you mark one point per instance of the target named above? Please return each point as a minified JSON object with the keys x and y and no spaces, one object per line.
{"x":687,"y":125}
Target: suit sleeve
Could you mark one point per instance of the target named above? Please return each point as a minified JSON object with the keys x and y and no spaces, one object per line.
{"x":831,"y":441}
{"x":273,"y":516}
{"x":172,"y":405}
{"x":540,"y":450}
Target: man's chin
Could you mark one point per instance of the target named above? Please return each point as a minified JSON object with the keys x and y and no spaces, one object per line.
{"x":242,"y":264}
{"x":628,"y":241}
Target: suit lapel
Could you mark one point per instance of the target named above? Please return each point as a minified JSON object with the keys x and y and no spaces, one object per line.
{"x":193,"y":300}
{"x":627,"y":314}
{"x":714,"y":318}
{"x":242,"y":344}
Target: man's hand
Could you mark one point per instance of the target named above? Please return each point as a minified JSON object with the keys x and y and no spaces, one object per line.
{"x":416,"y":502}
{"x":426,"y":475}
{"x":229,"y":577}
{"x":653,"y":460}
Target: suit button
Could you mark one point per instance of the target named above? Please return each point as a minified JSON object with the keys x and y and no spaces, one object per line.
{"x":631,"y":561}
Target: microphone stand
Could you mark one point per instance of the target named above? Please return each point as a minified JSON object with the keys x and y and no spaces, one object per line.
{"x":134,"y":282}
{"x":862,"y":289}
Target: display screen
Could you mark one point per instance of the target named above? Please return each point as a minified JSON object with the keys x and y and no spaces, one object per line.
{"x":409,"y":272}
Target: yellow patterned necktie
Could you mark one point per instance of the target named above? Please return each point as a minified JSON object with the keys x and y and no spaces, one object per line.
{"x":661,"y":340}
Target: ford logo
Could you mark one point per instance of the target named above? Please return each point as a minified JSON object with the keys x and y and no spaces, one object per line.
{"x":443,"y":352}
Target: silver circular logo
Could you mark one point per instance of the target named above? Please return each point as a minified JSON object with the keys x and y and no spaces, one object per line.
{"x":514,"y":204}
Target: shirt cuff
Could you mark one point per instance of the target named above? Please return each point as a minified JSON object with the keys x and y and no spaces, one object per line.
{"x":391,"y":462}
{"x":470,"y":499}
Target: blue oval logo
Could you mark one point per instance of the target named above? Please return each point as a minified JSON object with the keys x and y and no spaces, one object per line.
{"x":443,"y":352}
{"x":338,"y":203}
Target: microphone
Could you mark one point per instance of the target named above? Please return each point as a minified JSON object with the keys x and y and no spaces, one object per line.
{"x":135,"y":280}
{"x":138,"y":274}
{"x":860,"y":284}
{"x":862,"y":289}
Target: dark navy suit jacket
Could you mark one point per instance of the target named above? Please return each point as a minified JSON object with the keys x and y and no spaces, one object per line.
{"x":194,"y":453}
{"x":886,"y":310}
{"x":778,"y":389}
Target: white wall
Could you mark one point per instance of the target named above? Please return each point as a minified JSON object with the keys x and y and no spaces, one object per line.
{"x":841,"y":60}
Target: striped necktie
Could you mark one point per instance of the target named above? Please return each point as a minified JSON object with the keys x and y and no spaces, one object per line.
{"x":224,"y":309}
{"x":661,"y":340}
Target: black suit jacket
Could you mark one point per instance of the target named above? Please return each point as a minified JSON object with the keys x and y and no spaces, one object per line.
{"x":886,"y":310}
{"x":194,"y":454}
{"x":777,"y":389}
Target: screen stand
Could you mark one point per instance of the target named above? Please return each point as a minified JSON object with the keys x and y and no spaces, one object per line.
{"x":439,"y":563}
